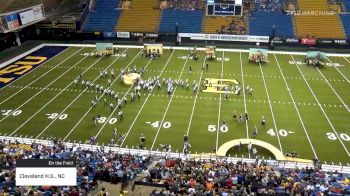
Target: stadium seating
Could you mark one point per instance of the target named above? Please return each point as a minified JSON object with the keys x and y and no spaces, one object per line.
{"x":347,"y":5}
{"x":214,"y":24}
{"x":319,"y":26}
{"x":142,"y":17}
{"x":305,"y":5}
{"x":104,"y":17}
{"x":189,"y":21}
{"x":226,"y":25}
{"x":346,"y":23}
{"x":268,"y":5}
{"x":261,"y":23}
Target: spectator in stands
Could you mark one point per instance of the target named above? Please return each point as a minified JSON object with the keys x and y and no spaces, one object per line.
{"x":187,"y":4}
{"x":268,"y":5}
{"x":92,"y":167}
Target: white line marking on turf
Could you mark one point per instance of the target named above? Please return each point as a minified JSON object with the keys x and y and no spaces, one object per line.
{"x":169,"y":103}
{"x":35,"y":68}
{"x":144,"y":103}
{"x":36,"y":78}
{"x":338,"y":69}
{"x":295,"y":107}
{"x":244,"y":97}
{"x":333,"y":89}
{"x":81,"y":94}
{"x":271,"y":110}
{"x":195,"y":101}
{"x":324,"y":113}
{"x":47,"y":103}
{"x":219,"y":112}
{"x":87,"y":112}
{"x":44,"y":88}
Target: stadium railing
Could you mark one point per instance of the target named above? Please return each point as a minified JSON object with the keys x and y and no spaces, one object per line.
{"x":176,"y":155}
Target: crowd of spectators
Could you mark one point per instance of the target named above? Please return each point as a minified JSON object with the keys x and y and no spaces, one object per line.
{"x":187,"y":4}
{"x":221,"y":178}
{"x":175,"y":176}
{"x":268,"y":5}
{"x":93,"y":167}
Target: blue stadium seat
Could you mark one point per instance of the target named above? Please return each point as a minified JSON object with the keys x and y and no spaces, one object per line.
{"x":104,"y":17}
{"x":189,"y":21}
{"x":261,"y":23}
{"x":346,"y":23}
{"x":347,"y":5}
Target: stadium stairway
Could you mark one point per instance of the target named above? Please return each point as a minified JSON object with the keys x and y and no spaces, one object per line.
{"x":142,"y":17}
{"x":346,"y":23}
{"x":104,"y":17}
{"x":189,"y":21}
{"x":319,"y":26}
{"x":261,"y":23}
{"x":212,"y":24}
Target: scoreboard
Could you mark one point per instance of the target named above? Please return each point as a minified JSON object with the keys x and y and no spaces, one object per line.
{"x":224,"y":8}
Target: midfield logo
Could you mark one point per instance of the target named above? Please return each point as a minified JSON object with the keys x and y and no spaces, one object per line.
{"x":215,"y":85}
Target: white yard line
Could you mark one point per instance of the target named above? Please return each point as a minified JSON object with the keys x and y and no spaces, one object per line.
{"x":87,"y":112}
{"x":244,"y":96}
{"x":44,"y":88}
{"x":169,"y":103}
{"x":339,"y":70}
{"x":68,"y":106}
{"x":324,"y":113}
{"x":219,"y":112}
{"x":52,"y":99}
{"x":38,"y":77}
{"x":295,"y":107}
{"x":195,"y":100}
{"x":144,"y":103}
{"x":271,"y":110}
{"x":325,"y":79}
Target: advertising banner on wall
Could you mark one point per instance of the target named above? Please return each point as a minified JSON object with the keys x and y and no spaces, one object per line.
{"x":308,"y":41}
{"x":123,"y":34}
{"x":12,"y":21}
{"x":220,"y":37}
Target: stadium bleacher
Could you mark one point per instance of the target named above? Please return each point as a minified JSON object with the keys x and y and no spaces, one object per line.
{"x":347,"y":5}
{"x":142,"y":17}
{"x":189,"y":21}
{"x":318,"y":26}
{"x":346,"y":23}
{"x":104,"y":17}
{"x":261,"y":23}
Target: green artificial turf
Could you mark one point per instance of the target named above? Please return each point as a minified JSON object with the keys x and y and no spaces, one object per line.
{"x":306,"y":127}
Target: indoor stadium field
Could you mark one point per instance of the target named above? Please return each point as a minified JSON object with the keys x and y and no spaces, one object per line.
{"x":306,"y":108}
